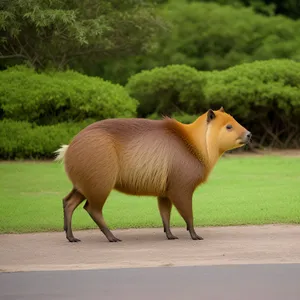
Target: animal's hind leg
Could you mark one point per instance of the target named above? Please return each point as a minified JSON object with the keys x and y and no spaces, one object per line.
{"x":70,"y":202}
{"x":96,"y":215}
{"x":64,"y":201}
{"x":165,"y":207}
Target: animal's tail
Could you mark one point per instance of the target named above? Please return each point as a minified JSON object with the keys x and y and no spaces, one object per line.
{"x":60,"y":153}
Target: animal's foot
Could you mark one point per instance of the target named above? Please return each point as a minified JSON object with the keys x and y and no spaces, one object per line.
{"x":72,"y":239}
{"x":170,"y":236}
{"x":113,"y":239}
{"x":195,"y":236}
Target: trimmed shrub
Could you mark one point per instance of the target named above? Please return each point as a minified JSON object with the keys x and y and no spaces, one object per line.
{"x":20,"y":139}
{"x":265,"y":95}
{"x":55,"y":97}
{"x":167,"y":90}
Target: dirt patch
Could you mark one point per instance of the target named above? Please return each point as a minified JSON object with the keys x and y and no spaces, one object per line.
{"x":149,"y":248}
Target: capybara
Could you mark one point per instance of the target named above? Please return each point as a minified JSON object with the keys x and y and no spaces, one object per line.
{"x":161,"y":158}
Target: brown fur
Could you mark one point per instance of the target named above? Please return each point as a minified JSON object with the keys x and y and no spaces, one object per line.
{"x":163,"y":158}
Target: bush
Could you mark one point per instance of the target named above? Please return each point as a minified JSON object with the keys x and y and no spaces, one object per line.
{"x":265,"y":95}
{"x":54,"y":97}
{"x":20,"y":139}
{"x":168,"y":90}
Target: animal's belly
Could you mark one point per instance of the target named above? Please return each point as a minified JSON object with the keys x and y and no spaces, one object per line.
{"x":131,"y":190}
{"x":143,"y":168}
{"x":145,"y":181}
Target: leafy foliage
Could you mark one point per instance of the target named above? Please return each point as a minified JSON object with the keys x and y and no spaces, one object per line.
{"x":205,"y":36}
{"x":49,"y":98}
{"x":31,"y":141}
{"x":167,"y":90}
{"x":265,"y":95}
{"x":209,"y":36}
{"x":56,"y":32}
{"x":290,"y":8}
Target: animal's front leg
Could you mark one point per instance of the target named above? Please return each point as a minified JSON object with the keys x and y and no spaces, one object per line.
{"x":165,"y":207}
{"x":183,"y":203}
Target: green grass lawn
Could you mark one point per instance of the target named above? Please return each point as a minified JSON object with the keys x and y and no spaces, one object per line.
{"x":241,"y":190}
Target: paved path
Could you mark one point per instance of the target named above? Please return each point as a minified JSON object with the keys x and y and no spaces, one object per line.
{"x":239,"y":282}
{"x":149,"y":248}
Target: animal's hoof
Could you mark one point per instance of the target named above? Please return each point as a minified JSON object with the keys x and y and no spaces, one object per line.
{"x":172,"y":237}
{"x":114,"y":239}
{"x":73,"y":240}
{"x":197,"y":237}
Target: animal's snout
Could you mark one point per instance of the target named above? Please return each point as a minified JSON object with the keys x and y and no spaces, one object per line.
{"x":247,"y":137}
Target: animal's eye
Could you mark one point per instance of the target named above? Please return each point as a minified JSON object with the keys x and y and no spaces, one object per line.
{"x":228,"y":127}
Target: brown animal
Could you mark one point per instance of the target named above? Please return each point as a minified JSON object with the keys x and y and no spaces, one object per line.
{"x":161,"y":158}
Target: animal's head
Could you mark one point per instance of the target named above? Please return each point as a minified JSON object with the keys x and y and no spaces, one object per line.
{"x":224,"y":131}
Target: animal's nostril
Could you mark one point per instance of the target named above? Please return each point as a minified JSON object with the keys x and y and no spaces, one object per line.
{"x":249,"y":135}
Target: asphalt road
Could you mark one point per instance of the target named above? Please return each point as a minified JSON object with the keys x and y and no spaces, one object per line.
{"x":232,"y":282}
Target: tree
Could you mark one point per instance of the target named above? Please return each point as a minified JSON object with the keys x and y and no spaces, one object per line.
{"x":210,"y":36}
{"x":55,"y":33}
{"x":289,"y":8}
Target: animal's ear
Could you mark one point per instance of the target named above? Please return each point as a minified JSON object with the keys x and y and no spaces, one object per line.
{"x":210,"y":115}
{"x":222,"y":109}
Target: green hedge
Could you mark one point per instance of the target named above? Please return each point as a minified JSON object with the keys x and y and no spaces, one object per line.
{"x":20,"y":139}
{"x":252,"y":89}
{"x":264,"y":95}
{"x":55,"y":97}
{"x":167,"y":90}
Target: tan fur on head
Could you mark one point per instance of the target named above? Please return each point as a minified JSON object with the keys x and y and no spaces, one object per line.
{"x":214,"y":133}
{"x":228,"y":132}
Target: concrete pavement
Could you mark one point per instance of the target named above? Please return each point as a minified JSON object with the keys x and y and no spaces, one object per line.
{"x":149,"y":248}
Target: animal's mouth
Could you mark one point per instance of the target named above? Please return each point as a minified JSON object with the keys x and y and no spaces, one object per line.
{"x":239,"y":141}
{"x":245,"y":140}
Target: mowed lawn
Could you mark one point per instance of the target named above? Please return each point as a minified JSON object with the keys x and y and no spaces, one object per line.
{"x":241,"y":190}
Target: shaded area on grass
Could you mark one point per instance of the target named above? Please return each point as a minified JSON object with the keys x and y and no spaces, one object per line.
{"x":241,"y":190}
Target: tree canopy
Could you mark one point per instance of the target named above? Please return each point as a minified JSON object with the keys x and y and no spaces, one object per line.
{"x":210,"y":36}
{"x":55,"y":32}
{"x":289,"y":8}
